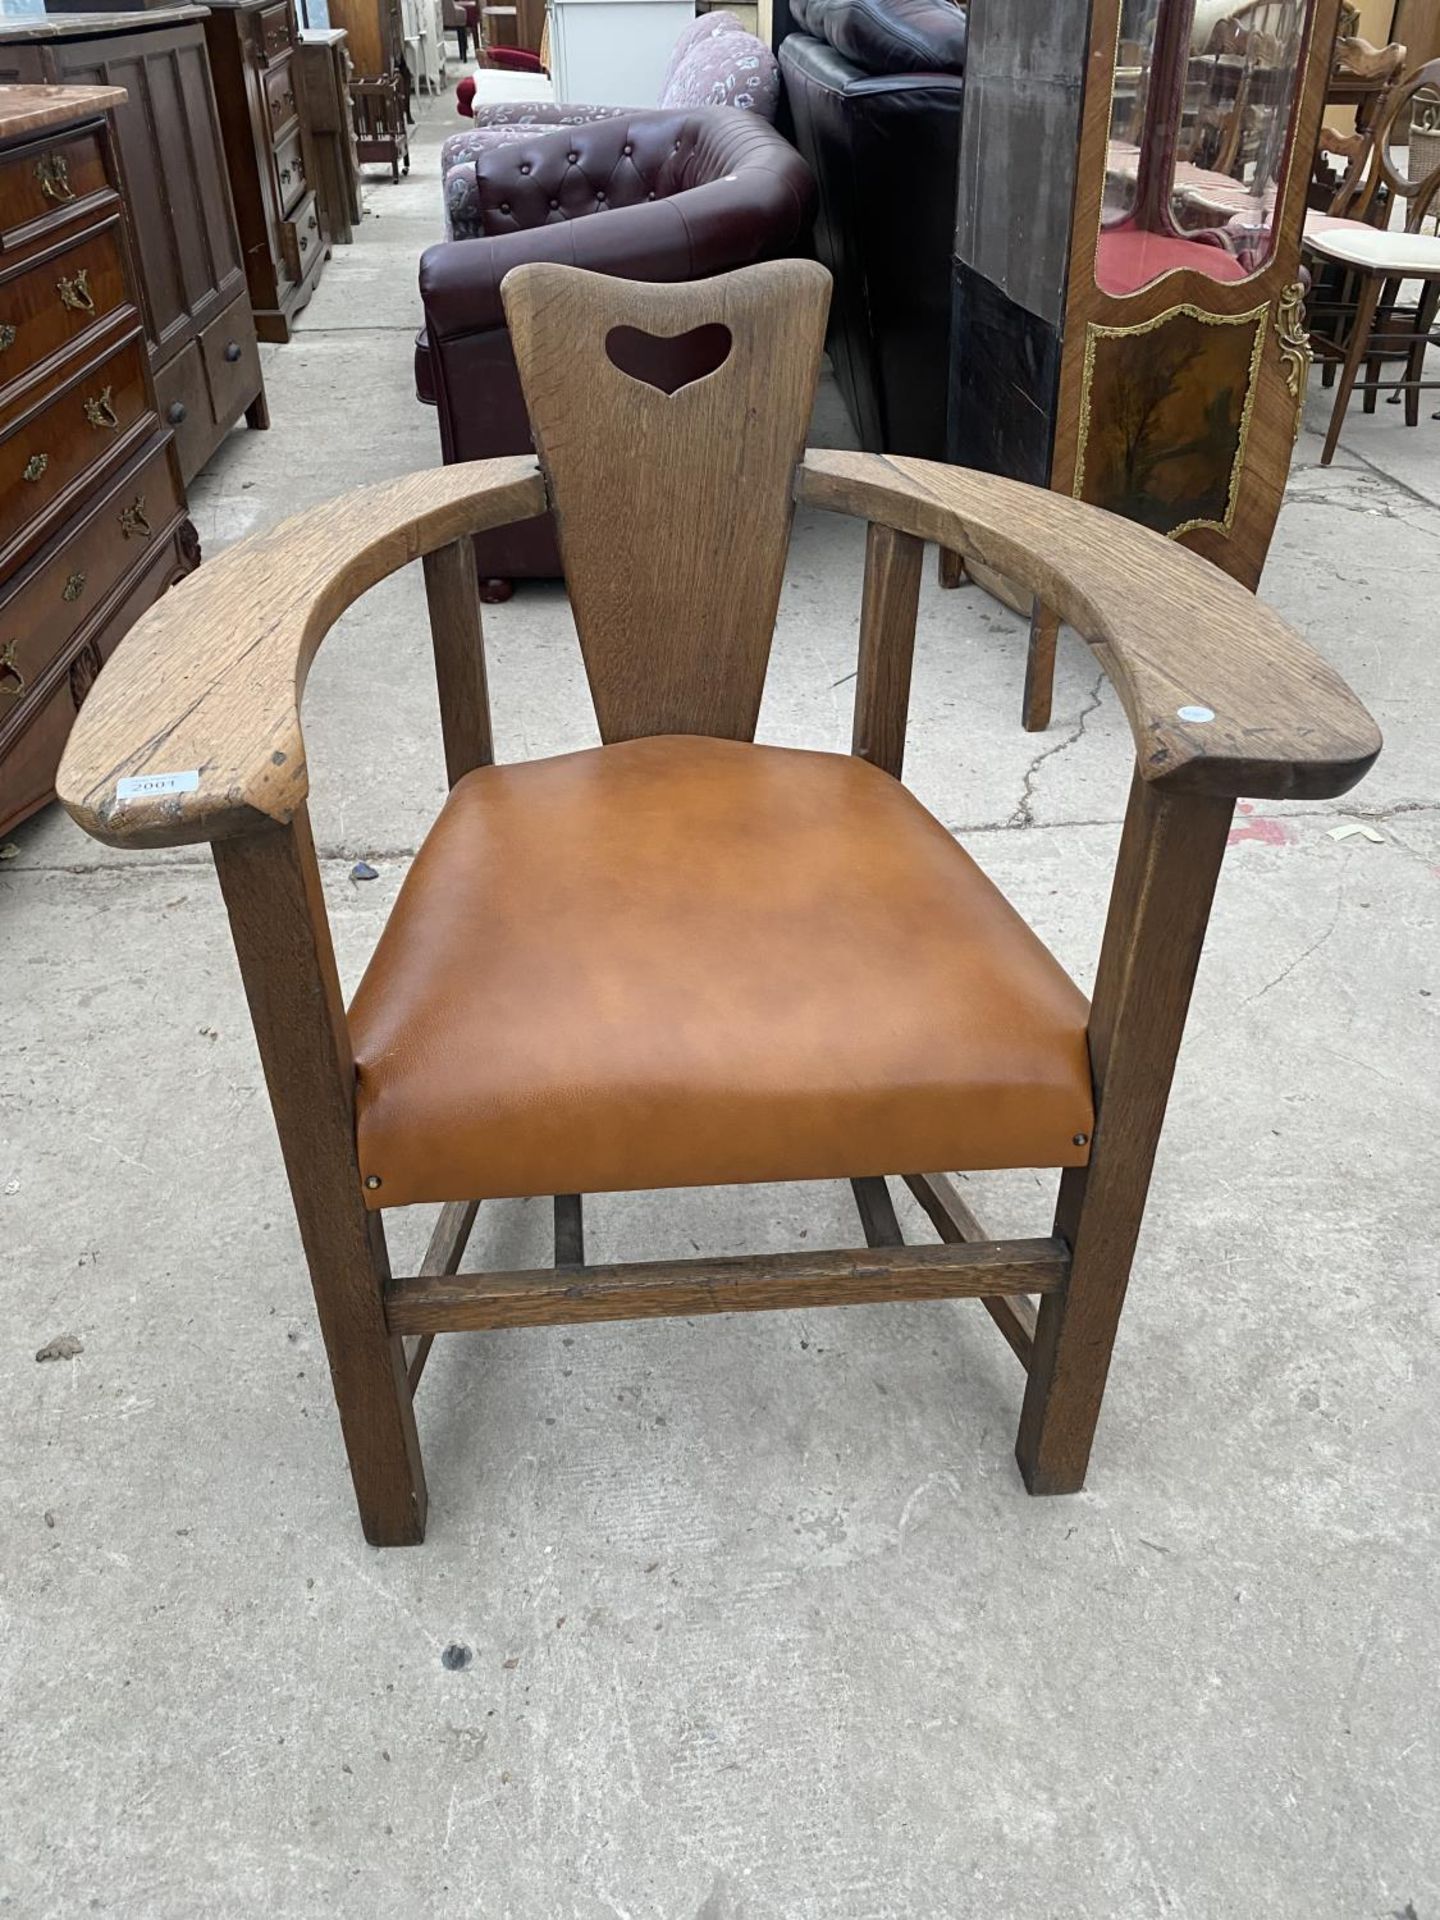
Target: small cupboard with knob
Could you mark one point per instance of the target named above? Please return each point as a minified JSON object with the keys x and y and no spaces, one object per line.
{"x":92,"y":510}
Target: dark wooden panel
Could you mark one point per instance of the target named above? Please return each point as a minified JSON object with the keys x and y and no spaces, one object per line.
{"x":183,"y":397}
{"x":210,"y":206}
{"x":232,"y":361}
{"x":1001,"y":350}
{"x":1024,"y":82}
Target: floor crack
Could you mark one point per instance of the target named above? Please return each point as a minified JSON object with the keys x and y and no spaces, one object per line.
{"x":1314,"y":947}
{"x":1024,"y":816}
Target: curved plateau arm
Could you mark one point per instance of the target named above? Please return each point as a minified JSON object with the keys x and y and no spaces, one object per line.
{"x":1222,"y":697}
{"x":202,"y":698}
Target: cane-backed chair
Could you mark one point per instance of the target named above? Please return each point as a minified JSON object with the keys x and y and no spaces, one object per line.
{"x":680,"y":957}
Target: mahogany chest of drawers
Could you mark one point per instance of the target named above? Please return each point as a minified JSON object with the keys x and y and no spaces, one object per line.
{"x":92,"y":511}
{"x":252,"y":55}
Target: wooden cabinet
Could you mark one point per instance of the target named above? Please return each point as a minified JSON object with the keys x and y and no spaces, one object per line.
{"x":192,"y":280}
{"x":1128,"y":317}
{"x":322,"y":60}
{"x":252,"y":54}
{"x":92,"y":509}
{"x":376,"y":30}
{"x":380,"y":89}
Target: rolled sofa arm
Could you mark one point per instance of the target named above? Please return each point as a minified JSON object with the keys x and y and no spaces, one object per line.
{"x":645,"y":196}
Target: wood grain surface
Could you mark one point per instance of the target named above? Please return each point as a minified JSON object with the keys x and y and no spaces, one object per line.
{"x":748,"y":1283}
{"x":1171,"y":631}
{"x":672,"y":509}
{"x":210,"y":681}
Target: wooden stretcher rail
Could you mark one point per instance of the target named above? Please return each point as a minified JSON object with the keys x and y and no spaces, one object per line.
{"x":751,"y":1283}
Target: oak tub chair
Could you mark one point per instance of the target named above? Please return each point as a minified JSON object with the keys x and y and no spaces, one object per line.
{"x":681,"y":958}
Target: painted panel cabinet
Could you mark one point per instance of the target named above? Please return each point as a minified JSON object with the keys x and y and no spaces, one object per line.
{"x":1128,"y":308}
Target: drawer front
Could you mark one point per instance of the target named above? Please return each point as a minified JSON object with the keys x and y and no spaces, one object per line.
{"x":232,"y":360}
{"x":290,"y":171}
{"x":34,"y":733}
{"x":280,"y":98}
{"x":301,"y":240}
{"x":53,"y":301}
{"x":54,"y":597}
{"x":44,"y":187}
{"x":75,"y":429}
{"x":184,"y":402}
{"x":272,"y":32}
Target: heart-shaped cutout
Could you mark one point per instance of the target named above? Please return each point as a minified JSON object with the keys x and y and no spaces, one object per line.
{"x":669,"y":362}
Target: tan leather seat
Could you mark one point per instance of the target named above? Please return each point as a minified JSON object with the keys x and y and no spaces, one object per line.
{"x":682,"y":962}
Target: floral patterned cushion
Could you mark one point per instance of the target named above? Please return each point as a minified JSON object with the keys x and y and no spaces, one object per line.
{"x":716,"y":63}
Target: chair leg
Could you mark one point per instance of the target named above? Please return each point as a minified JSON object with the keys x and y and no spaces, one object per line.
{"x":272,"y":891}
{"x":1170,"y":856}
{"x":1040,"y":668}
{"x":1425,"y":309}
{"x":1360,"y":328}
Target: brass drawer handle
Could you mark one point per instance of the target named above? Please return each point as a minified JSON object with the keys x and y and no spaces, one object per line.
{"x":99,"y":411}
{"x":52,"y":171}
{"x":132,"y":519}
{"x":75,"y":293}
{"x":12,"y":681}
{"x":35,"y":466}
{"x":7,"y":336}
{"x":73,"y":587}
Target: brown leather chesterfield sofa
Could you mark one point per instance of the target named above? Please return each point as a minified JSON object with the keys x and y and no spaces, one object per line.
{"x":645,"y":196}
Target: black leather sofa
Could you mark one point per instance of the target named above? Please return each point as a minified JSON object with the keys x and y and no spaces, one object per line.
{"x":873,"y":89}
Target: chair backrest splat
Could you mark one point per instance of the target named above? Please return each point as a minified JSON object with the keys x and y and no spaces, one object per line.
{"x":673,"y":508}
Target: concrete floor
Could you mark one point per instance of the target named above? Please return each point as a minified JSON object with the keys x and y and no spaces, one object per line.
{"x":758,"y":1621}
